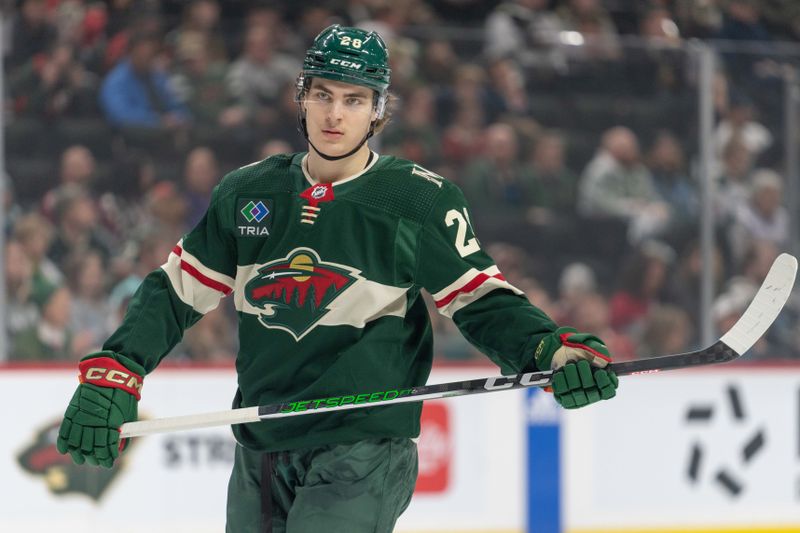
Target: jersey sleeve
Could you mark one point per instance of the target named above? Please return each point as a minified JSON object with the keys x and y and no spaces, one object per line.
{"x":468,"y":287}
{"x":198,"y":273}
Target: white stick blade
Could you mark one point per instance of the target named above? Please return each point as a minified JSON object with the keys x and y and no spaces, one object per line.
{"x":765,"y":307}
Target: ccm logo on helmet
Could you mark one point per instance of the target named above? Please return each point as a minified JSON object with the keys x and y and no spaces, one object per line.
{"x":348,"y":64}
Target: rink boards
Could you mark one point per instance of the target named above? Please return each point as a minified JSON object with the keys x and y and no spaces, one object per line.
{"x":715,"y":450}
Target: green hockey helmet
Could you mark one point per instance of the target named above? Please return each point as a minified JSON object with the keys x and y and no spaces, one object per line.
{"x":349,"y":55}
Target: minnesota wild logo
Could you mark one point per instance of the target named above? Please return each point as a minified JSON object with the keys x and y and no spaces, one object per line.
{"x":296,"y":291}
{"x":58,"y":471}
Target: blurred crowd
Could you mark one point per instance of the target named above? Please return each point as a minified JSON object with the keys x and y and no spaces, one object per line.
{"x":571,"y":126}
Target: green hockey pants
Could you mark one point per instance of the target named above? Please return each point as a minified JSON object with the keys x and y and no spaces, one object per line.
{"x":360,"y":487}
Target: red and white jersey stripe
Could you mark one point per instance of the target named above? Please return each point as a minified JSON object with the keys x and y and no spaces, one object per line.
{"x":472,"y":285}
{"x":195,"y":284}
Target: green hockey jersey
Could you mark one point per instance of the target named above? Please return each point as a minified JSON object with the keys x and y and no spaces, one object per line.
{"x":326,"y":281}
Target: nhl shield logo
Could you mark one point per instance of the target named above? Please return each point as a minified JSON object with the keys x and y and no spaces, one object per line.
{"x":318,"y":192}
{"x":295,"y":292}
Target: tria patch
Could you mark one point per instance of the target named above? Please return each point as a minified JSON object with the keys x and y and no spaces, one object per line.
{"x":295,"y":292}
{"x":254,"y":217}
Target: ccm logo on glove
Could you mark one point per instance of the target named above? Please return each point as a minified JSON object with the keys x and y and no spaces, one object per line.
{"x":107,"y":372}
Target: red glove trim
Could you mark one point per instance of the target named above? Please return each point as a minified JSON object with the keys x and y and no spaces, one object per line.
{"x":565,"y":342}
{"x":108,"y":372}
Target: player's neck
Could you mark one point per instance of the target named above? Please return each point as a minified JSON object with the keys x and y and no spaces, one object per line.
{"x":324,"y":171}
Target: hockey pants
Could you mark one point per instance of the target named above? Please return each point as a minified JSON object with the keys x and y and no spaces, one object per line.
{"x":360,"y":487}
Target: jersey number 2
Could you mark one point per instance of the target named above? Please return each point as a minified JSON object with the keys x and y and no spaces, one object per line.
{"x":464,"y":246}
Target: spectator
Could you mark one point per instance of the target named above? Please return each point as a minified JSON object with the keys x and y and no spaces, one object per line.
{"x":616,"y":184}
{"x":782,"y":17}
{"x":508,"y":82}
{"x":77,"y":226}
{"x":594,"y":312}
{"x":200,"y":175}
{"x":200,"y":83}
{"x":555,"y":185}
{"x":683,"y":287}
{"x":50,"y":339}
{"x":200,"y":22}
{"x":403,"y":61}
{"x":21,"y":311}
{"x":52,"y":85}
{"x":763,"y":218}
{"x":286,"y":114}
{"x":667,"y":330}
{"x":463,"y":137}
{"x":498,"y":182}
{"x":312,"y":18}
{"x":658,"y":26}
{"x":270,"y":17}
{"x":77,"y":169}
{"x":87,"y":280}
{"x":469,"y":93}
{"x":31,"y":33}
{"x":136,"y":93}
{"x":527,"y":31}
{"x":576,"y":282}
{"x":740,"y":123}
{"x":438,"y":63}
{"x":125,"y":22}
{"x":388,"y":18}
{"x":599,"y":38}
{"x":657,"y":66}
{"x":642,"y":283}
{"x":122,"y":202}
{"x":84,"y":25}
{"x":12,"y":210}
{"x":698,"y":19}
{"x":415,"y":135}
{"x":667,"y":164}
{"x":167,"y":209}
{"x":734,"y":180}
{"x":742,"y":22}
{"x":34,"y":233}
{"x":256,"y":78}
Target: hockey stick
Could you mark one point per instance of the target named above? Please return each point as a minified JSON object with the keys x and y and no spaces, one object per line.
{"x":758,"y":316}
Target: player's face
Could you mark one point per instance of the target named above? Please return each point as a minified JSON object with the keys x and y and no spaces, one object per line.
{"x":338,"y":115}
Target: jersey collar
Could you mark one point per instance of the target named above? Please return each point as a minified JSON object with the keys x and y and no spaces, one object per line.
{"x":336,"y":183}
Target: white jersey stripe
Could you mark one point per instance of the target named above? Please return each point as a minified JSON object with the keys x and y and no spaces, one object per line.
{"x":191,"y":282}
{"x":469,"y":287}
{"x":219,"y":277}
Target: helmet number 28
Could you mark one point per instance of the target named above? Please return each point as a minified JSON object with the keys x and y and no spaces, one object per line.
{"x":464,"y":246}
{"x":349,"y":41}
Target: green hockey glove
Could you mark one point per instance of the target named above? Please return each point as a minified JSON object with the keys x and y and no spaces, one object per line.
{"x":579,"y":362}
{"x":106,"y":398}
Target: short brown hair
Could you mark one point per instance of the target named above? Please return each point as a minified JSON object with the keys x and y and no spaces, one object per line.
{"x":391,"y":101}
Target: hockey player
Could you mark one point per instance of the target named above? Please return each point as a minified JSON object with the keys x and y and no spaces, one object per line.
{"x":326,"y":253}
